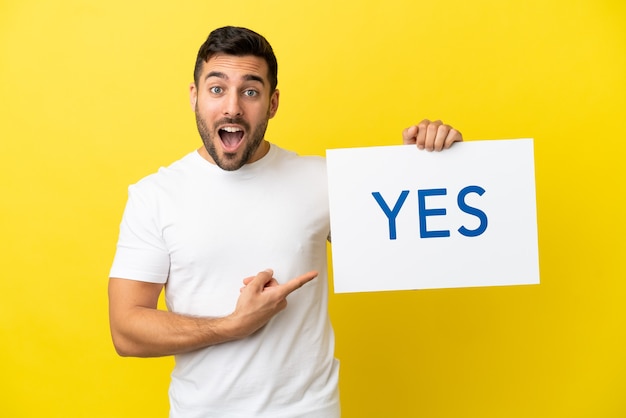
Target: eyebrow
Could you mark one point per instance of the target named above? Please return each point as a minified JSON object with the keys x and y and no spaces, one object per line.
{"x":247,"y":77}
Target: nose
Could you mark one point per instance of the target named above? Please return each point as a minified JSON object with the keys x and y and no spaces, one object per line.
{"x":232,"y":105}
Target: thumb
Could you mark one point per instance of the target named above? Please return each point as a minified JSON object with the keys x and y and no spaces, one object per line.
{"x":259,"y":281}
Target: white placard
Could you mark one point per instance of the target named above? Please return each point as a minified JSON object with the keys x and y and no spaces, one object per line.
{"x":404,"y":219}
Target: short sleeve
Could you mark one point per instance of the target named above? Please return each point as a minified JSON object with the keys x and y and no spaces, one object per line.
{"x":141,"y":252}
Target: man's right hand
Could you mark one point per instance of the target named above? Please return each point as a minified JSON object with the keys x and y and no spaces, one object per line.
{"x":262,"y":297}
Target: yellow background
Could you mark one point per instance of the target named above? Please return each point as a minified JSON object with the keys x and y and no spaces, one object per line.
{"x":94,"y":96}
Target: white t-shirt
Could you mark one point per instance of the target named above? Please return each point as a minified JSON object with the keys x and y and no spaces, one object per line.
{"x":202,"y":230}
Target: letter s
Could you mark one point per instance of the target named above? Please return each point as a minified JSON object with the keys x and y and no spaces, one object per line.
{"x":472,"y":211}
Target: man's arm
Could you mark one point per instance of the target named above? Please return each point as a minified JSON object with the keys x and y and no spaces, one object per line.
{"x":431,"y":136}
{"x":139,"y":329}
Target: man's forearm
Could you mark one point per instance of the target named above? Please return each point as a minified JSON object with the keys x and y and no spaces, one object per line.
{"x":148,"y":332}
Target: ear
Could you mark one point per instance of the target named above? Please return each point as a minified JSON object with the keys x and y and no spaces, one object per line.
{"x":274,"y":103}
{"x":193,"y":96}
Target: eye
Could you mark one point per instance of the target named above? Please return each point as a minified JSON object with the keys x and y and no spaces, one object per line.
{"x":250,"y":93}
{"x":216,"y":90}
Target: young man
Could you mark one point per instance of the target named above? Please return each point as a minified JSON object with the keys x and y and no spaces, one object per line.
{"x":247,"y":344}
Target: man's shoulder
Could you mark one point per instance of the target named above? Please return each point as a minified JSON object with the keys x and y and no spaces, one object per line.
{"x":292,"y":158}
{"x":171,"y":175}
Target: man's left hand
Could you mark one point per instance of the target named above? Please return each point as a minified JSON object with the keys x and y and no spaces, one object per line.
{"x":431,"y":136}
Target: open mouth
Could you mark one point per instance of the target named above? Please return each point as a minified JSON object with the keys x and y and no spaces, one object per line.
{"x":231,"y":137}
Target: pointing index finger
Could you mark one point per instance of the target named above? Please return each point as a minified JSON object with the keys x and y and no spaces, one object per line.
{"x":298,"y":282}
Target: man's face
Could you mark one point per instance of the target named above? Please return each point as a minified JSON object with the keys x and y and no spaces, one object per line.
{"x":233,"y":104}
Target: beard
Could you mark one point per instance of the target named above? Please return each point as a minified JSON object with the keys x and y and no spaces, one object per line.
{"x":229,"y":161}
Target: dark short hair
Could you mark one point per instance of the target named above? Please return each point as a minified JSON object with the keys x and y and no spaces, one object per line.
{"x":237,"y":41}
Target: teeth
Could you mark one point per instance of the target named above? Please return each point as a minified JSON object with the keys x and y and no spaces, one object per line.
{"x":231,"y":129}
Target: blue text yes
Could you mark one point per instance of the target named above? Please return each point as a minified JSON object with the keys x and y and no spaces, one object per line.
{"x":424,"y":212}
